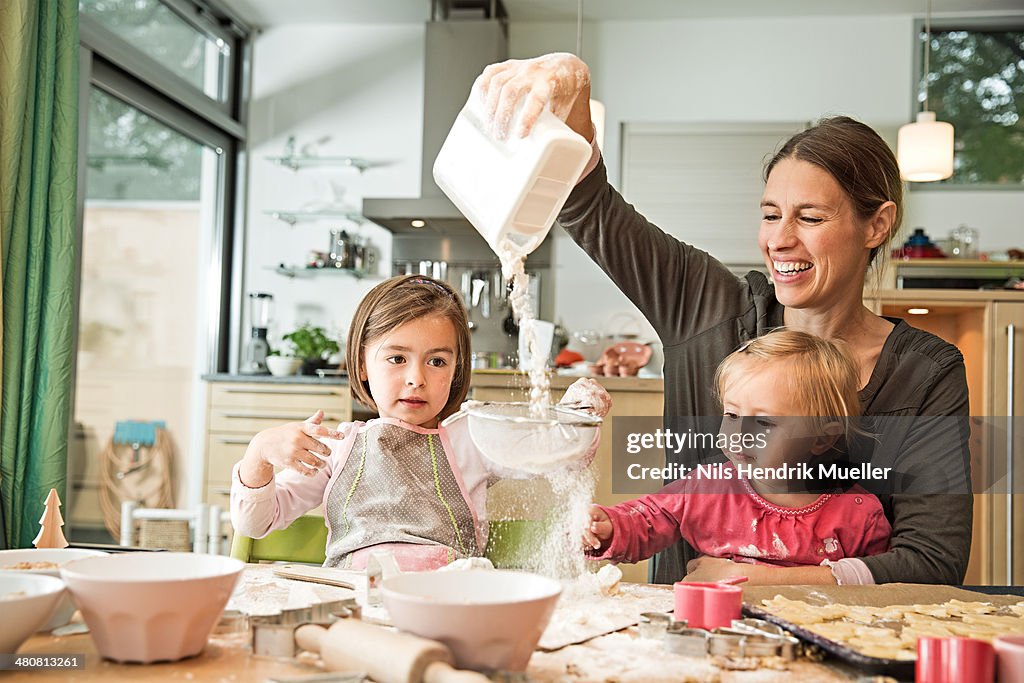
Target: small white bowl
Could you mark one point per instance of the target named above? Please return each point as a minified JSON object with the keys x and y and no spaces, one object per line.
{"x":491,"y":620}
{"x":48,"y":562}
{"x":26,"y":602}
{"x":151,"y":607}
{"x":282,"y":366}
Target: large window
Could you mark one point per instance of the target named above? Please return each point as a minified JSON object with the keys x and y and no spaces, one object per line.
{"x":163,"y":140}
{"x":976,"y":82}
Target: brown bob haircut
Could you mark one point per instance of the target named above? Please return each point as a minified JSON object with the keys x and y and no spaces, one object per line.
{"x":392,"y":304}
{"x":858,"y":159}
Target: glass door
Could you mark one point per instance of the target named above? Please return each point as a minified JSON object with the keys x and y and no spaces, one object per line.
{"x":151,"y":193}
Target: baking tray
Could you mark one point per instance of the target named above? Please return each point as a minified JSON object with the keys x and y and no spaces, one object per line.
{"x":876,"y":666}
{"x":881,"y":596}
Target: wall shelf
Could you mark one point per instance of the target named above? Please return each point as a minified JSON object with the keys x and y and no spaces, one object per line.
{"x":299,"y":162}
{"x":306,"y":272}
{"x":293,"y":217}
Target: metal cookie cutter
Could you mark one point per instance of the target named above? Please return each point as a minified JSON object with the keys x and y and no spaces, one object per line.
{"x":273,"y":635}
{"x":655,"y":625}
{"x":746,"y":638}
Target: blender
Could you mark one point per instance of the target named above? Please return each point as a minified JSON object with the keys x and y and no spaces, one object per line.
{"x":257,"y":348}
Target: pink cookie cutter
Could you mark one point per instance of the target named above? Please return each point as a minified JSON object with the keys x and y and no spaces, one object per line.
{"x":954,"y":660}
{"x":709,"y":605}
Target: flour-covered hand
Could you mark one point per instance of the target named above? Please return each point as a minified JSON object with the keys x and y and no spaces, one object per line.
{"x":559,"y":82}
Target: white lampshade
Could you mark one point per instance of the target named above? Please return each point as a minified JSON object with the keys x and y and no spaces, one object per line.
{"x":925,"y":149}
{"x":597,"y":116}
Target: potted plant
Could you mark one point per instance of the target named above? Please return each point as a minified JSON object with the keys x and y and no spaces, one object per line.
{"x":312,"y":345}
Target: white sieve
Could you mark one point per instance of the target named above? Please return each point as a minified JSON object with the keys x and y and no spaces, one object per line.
{"x":509,"y":435}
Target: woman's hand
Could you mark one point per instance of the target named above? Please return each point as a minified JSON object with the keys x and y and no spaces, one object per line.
{"x":559,"y":82}
{"x":291,"y":446}
{"x":599,"y":531}
{"x":587,"y":394}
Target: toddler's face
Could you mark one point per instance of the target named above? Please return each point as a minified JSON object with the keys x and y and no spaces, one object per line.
{"x":410,"y":370}
{"x":761,"y":419}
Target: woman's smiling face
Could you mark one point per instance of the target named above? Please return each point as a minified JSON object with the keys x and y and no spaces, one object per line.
{"x":814,"y":244}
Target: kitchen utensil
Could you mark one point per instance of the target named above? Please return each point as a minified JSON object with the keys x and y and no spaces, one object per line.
{"x":951,"y":660}
{"x":511,"y":189}
{"x":387,"y":656}
{"x":509,"y":435}
{"x":509,"y":325}
{"x":477,"y":290}
{"x":485,"y":300}
{"x":707,"y":605}
{"x":257,"y":348}
{"x":274,"y":635}
{"x":148,"y":607}
{"x":1009,"y":658}
{"x":46,"y":561}
{"x":324,"y":575}
{"x":27,"y":601}
{"x":491,"y":620}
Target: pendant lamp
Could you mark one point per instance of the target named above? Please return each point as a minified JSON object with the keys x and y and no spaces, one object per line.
{"x":596,"y":106}
{"x":925,"y":147}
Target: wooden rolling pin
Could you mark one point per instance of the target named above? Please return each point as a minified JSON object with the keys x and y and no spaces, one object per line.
{"x":386,"y":656}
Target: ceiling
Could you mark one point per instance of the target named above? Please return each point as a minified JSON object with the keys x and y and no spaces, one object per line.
{"x":265,"y":13}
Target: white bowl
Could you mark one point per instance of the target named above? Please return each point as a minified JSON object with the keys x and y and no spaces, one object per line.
{"x":282,"y":366}
{"x":491,"y":620}
{"x":26,"y":602}
{"x":48,"y":562}
{"x":150,"y":607}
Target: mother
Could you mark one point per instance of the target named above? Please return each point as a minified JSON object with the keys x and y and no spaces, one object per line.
{"x":833,"y":200}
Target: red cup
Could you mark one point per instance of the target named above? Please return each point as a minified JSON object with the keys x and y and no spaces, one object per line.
{"x":707,"y":605}
{"x":1009,"y":658}
{"x":954,"y":660}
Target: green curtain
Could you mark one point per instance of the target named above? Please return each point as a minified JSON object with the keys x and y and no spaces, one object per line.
{"x":38,"y":174}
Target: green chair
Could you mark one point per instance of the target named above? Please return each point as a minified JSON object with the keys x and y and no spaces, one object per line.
{"x":510,"y":544}
{"x":305,"y":540}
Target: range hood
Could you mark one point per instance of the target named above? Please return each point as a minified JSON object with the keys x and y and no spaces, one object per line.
{"x":458,"y":47}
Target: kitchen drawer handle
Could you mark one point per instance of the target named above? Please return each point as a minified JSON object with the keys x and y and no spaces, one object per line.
{"x":234,"y":441}
{"x":299,"y":392}
{"x":1011,"y":333}
{"x":223,"y":491}
{"x":263,"y":416}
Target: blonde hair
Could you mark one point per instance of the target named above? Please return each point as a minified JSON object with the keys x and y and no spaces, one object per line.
{"x":823,"y":377}
{"x":394,"y":303}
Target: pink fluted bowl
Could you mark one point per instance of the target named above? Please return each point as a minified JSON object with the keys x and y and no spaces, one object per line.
{"x":491,"y":620}
{"x":151,"y":607}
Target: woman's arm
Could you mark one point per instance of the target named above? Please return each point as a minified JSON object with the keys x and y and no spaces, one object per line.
{"x":717,"y":568}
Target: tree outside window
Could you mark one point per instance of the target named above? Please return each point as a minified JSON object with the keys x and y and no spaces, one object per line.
{"x":976,"y":82}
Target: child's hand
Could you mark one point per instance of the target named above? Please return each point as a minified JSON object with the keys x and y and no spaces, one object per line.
{"x":291,"y":446}
{"x":600,"y":529}
{"x":587,"y":394}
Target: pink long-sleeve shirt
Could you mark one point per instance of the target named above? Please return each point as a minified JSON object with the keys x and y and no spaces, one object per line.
{"x":726,"y":518}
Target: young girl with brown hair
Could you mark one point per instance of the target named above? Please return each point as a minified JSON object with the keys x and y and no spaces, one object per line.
{"x":401,"y":482}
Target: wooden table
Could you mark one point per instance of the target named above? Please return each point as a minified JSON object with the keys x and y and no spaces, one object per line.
{"x":620,"y":657}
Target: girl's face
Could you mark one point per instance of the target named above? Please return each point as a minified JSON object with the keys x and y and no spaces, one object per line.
{"x":762,"y":417}
{"x":814,"y":244}
{"x":410,"y":370}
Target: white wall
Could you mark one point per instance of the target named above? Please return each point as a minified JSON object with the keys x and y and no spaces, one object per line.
{"x":756,"y":70}
{"x":361,"y":85}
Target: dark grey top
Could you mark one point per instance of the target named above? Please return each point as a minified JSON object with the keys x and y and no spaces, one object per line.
{"x":702,"y":312}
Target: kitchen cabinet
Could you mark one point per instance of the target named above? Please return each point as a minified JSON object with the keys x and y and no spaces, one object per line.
{"x":532,"y":498}
{"x":987,"y":327}
{"x":238,"y":408}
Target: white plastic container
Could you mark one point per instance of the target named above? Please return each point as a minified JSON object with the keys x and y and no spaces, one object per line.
{"x":510,"y":190}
